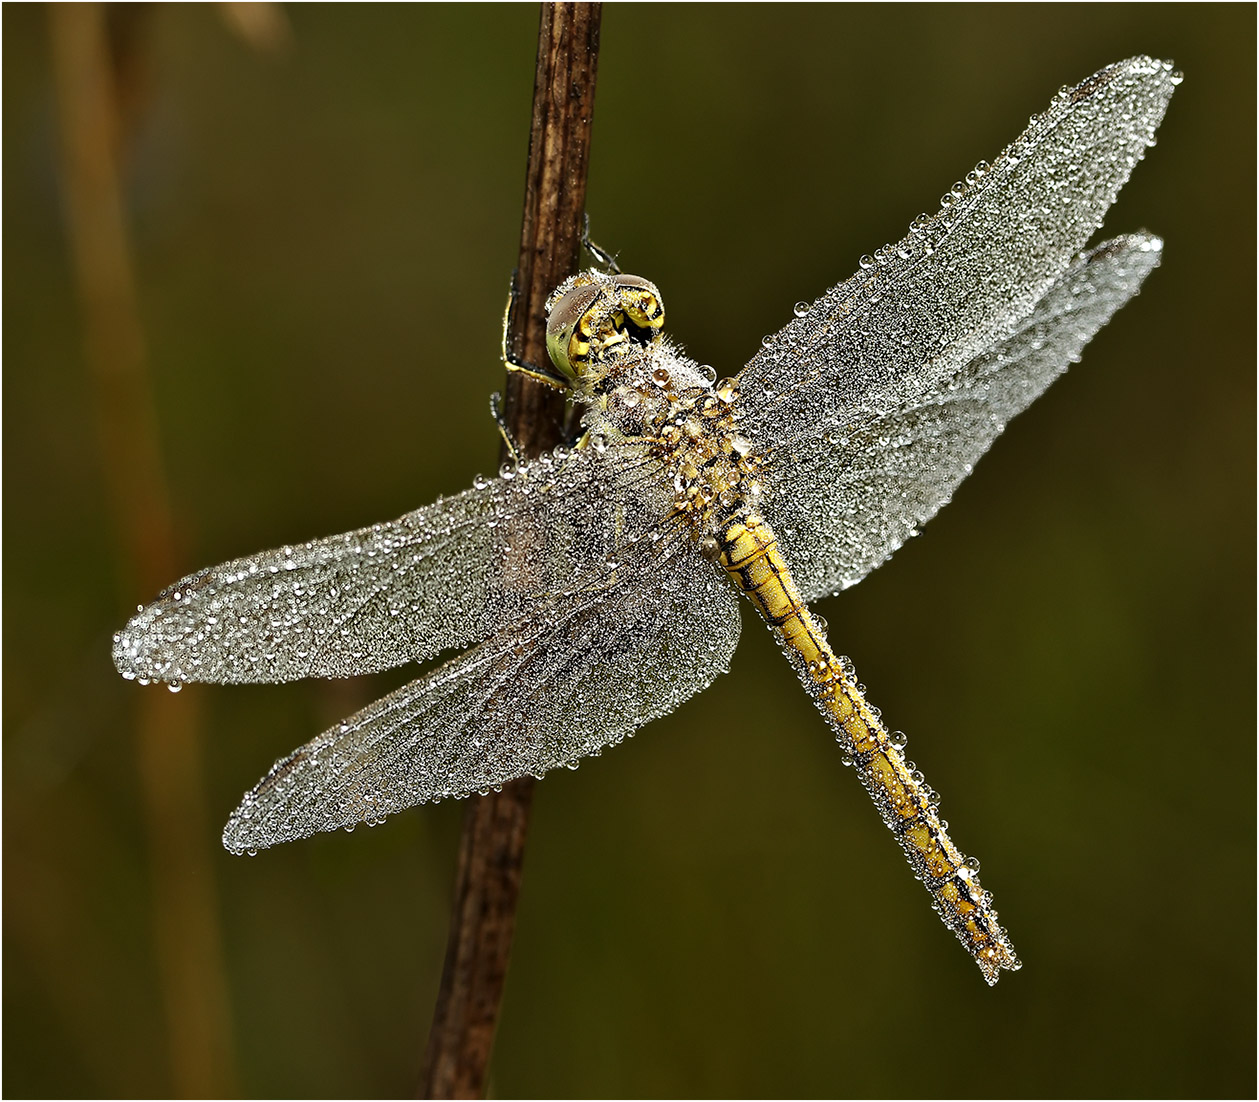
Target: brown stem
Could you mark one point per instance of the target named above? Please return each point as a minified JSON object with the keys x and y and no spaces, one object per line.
{"x":491,"y":852}
{"x":100,"y":90}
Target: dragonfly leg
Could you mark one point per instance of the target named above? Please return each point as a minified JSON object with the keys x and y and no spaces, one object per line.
{"x":749,"y":553}
{"x":504,"y":430}
{"x":601,"y":256}
{"x":547,"y":375}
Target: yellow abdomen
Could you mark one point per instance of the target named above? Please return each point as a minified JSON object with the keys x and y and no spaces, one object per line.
{"x":750,"y":555}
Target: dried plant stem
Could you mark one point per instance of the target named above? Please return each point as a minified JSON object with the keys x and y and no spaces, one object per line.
{"x":96,"y":79}
{"x":491,"y":852}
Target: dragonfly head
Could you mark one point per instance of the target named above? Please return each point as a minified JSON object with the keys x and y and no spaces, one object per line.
{"x":593,"y":316}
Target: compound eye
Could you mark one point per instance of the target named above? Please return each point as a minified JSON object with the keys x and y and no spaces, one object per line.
{"x":564,"y":314}
{"x":641,"y":301}
{"x":592,"y":313}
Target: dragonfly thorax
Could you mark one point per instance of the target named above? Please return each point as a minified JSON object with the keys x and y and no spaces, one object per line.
{"x":659,"y":400}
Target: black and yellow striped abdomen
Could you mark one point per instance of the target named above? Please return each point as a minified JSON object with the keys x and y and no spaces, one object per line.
{"x":748,"y":551}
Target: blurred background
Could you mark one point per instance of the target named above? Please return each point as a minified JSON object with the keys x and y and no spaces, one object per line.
{"x":321,"y":210}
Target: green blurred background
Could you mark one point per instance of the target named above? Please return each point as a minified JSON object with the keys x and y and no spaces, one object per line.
{"x":322,"y":238}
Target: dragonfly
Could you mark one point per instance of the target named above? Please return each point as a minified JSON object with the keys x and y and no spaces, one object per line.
{"x":596,"y":588}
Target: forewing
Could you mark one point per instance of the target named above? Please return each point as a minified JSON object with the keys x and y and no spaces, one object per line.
{"x":444,"y":576}
{"x":963,"y":280}
{"x":842,"y":502}
{"x":581,"y":673}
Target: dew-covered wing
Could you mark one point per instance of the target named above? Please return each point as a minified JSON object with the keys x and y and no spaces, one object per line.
{"x":444,"y":576}
{"x":960,"y":282}
{"x":583,"y":671}
{"x":841,"y":503}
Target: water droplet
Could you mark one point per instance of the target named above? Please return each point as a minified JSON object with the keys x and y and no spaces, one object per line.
{"x":866,"y":262}
{"x":800,"y":309}
{"x":898,"y":739}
